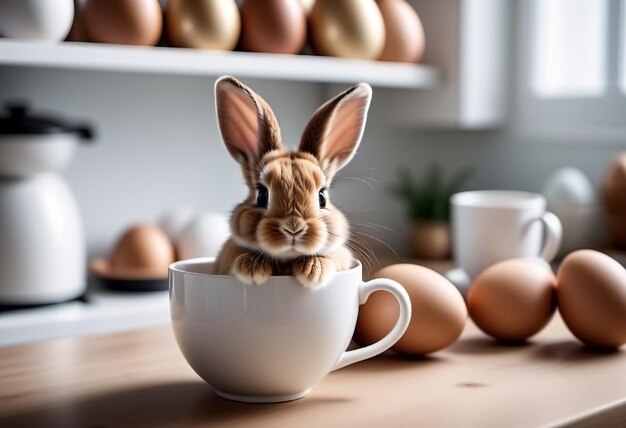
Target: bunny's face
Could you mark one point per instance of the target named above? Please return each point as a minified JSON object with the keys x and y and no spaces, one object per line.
{"x":288,"y":212}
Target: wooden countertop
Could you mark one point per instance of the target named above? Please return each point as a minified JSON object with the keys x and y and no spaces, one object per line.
{"x":140,"y":379}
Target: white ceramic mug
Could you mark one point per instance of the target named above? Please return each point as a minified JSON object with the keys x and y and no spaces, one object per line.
{"x":489,"y":226}
{"x":272,"y":342}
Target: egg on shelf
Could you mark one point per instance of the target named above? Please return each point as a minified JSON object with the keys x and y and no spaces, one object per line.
{"x":571,"y":197}
{"x":203,"y":24}
{"x":137,"y":22}
{"x":438,"y":311}
{"x":347,"y":29}
{"x":514,"y":299}
{"x":404,"y":34}
{"x":273,"y":26}
{"x":48,"y":20}
{"x":592,"y":298}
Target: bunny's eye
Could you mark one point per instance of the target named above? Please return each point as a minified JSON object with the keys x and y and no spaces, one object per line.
{"x":262,"y":196}
{"x":322,"y":198}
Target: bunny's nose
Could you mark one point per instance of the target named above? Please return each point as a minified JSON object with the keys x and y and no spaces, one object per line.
{"x":294,"y":227}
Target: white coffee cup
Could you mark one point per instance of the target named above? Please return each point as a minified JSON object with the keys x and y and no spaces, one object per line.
{"x":489,"y":226}
{"x":272,"y":342}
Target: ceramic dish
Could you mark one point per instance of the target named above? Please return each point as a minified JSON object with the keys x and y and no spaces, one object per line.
{"x":128,"y":279}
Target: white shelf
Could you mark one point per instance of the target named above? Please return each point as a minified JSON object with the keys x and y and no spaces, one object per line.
{"x":179,"y":61}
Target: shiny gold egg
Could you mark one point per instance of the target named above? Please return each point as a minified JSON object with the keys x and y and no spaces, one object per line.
{"x":347,"y":28}
{"x":203,"y":24}
{"x":404,"y":36}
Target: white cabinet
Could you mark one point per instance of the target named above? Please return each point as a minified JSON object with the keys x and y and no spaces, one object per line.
{"x":469,"y":41}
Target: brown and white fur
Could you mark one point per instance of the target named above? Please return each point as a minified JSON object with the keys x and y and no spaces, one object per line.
{"x":287,"y":224}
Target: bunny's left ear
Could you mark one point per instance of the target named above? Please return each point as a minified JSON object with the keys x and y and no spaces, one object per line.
{"x":247,"y":123}
{"x":334,"y":132}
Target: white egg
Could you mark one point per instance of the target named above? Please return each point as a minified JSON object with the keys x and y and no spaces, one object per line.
{"x":569,"y":186}
{"x":203,"y":236}
{"x":571,"y":197}
{"x":175,"y":220}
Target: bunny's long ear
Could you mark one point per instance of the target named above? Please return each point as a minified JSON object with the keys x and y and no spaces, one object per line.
{"x":247,"y":123}
{"x":334,"y":132}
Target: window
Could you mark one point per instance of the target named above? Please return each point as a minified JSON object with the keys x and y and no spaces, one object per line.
{"x":569,"y":47}
{"x":571,"y":70}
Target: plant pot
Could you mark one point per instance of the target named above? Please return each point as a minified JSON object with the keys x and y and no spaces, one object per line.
{"x":430,"y":239}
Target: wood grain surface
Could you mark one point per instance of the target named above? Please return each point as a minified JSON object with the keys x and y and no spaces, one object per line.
{"x":140,"y":379}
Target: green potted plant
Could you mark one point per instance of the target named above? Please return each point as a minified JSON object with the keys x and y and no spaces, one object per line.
{"x":428,"y":205}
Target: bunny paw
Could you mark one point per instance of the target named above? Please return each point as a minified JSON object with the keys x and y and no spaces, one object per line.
{"x":250,"y":270}
{"x":314,"y":272}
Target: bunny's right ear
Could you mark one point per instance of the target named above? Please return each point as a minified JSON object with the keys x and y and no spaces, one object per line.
{"x":247,"y":123}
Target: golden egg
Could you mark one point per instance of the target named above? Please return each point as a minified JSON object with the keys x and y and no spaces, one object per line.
{"x":404,"y":34}
{"x":514,"y":299}
{"x":203,"y":24}
{"x":592,"y":298}
{"x":273,"y":26}
{"x":347,"y":28}
{"x":438,"y":311}
{"x":127,"y":22}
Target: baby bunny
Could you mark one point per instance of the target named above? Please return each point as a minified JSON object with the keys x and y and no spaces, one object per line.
{"x":287,"y":225}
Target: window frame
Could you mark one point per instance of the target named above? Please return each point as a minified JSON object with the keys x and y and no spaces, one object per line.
{"x":578,"y":118}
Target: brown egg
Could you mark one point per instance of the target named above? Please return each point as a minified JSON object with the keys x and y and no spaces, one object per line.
{"x":142,"y":249}
{"x":127,"y":22}
{"x":615,"y":180}
{"x":438,"y":311}
{"x":77,"y":31}
{"x":347,"y":28}
{"x":614,"y":195}
{"x":592,"y":298}
{"x":203,"y":24}
{"x":273,"y":26}
{"x":514,"y":299}
{"x":404,"y":34}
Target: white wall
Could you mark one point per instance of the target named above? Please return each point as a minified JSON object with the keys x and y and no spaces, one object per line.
{"x":158,"y":147}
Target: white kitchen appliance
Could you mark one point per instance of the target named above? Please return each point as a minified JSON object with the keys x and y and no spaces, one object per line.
{"x":42,"y":248}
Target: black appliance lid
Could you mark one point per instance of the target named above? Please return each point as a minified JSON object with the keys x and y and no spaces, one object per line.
{"x":19,"y":121}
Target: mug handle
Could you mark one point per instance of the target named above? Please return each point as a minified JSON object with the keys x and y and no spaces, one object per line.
{"x":365,"y":289}
{"x":554,"y":233}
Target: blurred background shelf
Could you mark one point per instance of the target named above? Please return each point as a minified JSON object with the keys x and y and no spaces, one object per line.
{"x":179,"y":61}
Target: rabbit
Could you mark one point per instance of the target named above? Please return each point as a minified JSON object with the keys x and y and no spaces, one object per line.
{"x":287,"y":225}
